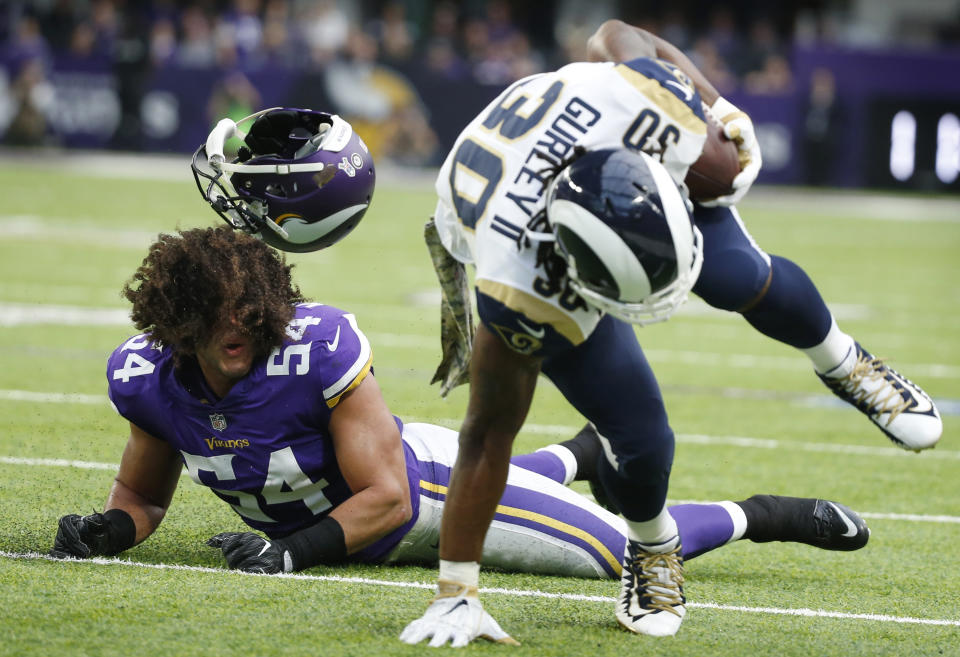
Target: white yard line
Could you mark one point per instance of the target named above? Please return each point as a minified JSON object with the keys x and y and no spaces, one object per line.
{"x":94,"y":465}
{"x":29,"y":314}
{"x":558,"y":430}
{"x":52,"y":397}
{"x":810,"y":613}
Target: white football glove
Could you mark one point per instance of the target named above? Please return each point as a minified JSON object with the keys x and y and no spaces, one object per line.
{"x":455,"y":615}
{"x":738,"y":127}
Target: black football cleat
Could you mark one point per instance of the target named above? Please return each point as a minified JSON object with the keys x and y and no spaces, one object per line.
{"x":821,"y":523}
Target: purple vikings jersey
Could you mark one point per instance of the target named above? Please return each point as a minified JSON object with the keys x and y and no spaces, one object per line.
{"x":265,"y":448}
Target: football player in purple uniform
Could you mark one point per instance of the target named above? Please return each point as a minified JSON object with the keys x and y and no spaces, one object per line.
{"x":271,"y":402}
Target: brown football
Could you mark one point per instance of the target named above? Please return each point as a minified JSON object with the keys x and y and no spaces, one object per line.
{"x":712,"y":175}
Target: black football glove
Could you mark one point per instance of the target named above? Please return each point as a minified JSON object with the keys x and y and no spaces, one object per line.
{"x":80,"y":537}
{"x":252,"y":553}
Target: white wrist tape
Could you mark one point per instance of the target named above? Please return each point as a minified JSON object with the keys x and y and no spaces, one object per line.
{"x":725,"y":111}
{"x":465,"y":572}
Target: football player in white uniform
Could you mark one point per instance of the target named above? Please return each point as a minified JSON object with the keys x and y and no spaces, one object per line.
{"x":569,"y":250}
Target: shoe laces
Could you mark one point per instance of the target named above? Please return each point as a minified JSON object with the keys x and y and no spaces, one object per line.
{"x":660,"y":577}
{"x":885,"y":397}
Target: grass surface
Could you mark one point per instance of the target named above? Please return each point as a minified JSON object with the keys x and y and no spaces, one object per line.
{"x":749,"y":416}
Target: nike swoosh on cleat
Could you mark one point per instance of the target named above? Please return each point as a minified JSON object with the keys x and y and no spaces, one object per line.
{"x":851,"y":528}
{"x":266,"y":546}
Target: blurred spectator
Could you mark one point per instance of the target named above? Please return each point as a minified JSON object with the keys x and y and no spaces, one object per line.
{"x":722,"y":33}
{"x":443,"y":21}
{"x":106,"y":25}
{"x":675,"y":29}
{"x":822,"y":124}
{"x":131,"y":64}
{"x":234,"y":97}
{"x":58,"y":24}
{"x":497,"y":51}
{"x":32,"y":96}
{"x":83,"y":42}
{"x":163,"y":43}
{"x":500,"y":25}
{"x":240,"y":30}
{"x":706,"y":58}
{"x":325,"y":29}
{"x":773,"y":79}
{"x":442,"y":59}
{"x":440,"y":51}
{"x":27,"y":44}
{"x":762,"y":44}
{"x":395,"y":34}
{"x":278,"y":45}
{"x":196,"y":49}
{"x":382,"y":105}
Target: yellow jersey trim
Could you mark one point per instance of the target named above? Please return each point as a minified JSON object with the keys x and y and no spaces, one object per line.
{"x":546,"y":521}
{"x":674,"y":108}
{"x":333,"y":401}
{"x":535,"y":308}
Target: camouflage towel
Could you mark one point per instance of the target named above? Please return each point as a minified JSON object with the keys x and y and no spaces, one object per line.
{"x":456,"y":314}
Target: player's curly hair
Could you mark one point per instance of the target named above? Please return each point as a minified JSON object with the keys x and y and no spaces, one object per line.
{"x":193,"y":280}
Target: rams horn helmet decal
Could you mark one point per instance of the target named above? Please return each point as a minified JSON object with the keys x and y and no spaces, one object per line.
{"x":624,"y":229}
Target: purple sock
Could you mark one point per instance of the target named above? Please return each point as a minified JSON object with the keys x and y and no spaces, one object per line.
{"x":703,"y":527}
{"x":544,"y":463}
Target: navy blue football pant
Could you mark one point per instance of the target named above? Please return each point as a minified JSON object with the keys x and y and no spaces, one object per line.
{"x":607,"y":378}
{"x":772,"y":293}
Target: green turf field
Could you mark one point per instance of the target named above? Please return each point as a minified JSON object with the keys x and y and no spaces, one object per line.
{"x":748,"y":413}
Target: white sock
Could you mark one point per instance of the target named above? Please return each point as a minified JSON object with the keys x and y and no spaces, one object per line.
{"x":567,"y":458}
{"x":651,"y":532}
{"x":836,"y":355}
{"x":738,"y":517}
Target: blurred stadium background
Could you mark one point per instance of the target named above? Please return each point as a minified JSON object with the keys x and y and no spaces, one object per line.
{"x":845,"y":93}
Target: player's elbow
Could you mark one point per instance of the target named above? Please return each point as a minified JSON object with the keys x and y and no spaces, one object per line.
{"x":610,"y":28}
{"x":597,"y":44}
{"x":398,"y":509}
{"x":616,"y":41}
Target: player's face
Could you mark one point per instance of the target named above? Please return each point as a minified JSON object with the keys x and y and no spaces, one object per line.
{"x":226,"y":357}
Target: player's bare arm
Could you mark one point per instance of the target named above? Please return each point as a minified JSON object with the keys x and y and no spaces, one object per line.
{"x":141,"y":494}
{"x":369,"y":452}
{"x":616,"y":41}
{"x":145,"y":483}
{"x":501,"y":389}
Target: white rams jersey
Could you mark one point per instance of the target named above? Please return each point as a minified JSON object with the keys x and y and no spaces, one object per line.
{"x":493,"y":181}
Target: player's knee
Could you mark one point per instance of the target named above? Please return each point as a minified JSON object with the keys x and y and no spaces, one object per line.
{"x":733,"y":280}
{"x":649,"y":462}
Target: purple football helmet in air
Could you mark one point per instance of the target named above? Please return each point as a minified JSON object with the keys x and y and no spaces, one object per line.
{"x":301,"y":181}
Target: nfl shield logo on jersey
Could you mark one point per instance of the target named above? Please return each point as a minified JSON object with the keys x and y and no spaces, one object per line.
{"x":218,"y":421}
